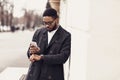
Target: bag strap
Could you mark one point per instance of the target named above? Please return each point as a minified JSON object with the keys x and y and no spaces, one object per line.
{"x":23,"y":77}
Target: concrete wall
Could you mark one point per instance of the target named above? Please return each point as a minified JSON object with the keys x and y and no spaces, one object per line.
{"x":95,"y":29}
{"x":103,"y":61}
{"x":76,"y":19}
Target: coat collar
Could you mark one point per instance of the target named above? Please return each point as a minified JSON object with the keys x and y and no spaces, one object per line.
{"x":55,"y":37}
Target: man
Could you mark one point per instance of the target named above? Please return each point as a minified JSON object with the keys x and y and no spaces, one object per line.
{"x":49,"y":50}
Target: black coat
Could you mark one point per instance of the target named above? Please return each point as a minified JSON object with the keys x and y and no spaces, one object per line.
{"x":55,"y":55}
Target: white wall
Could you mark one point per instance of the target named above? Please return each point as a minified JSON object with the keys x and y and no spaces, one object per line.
{"x":104,"y":43}
{"x":76,"y":19}
{"x":95,"y":29}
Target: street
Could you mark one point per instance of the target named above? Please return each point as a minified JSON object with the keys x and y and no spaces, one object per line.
{"x":13,"y":48}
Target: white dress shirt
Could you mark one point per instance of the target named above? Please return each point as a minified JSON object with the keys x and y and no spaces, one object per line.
{"x":50,"y":35}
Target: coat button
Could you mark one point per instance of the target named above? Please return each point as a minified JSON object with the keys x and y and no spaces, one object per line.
{"x":30,"y":74}
{"x":49,"y":77}
{"x":51,"y":52}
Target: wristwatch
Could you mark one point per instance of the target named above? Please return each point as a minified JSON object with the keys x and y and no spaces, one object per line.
{"x":42,"y":56}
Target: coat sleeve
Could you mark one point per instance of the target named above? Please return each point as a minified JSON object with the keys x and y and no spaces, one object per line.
{"x":62,"y":57}
{"x":35,"y":39}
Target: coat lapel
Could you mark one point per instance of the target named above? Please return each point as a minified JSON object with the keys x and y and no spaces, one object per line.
{"x":44,"y":42}
{"x":55,"y":37}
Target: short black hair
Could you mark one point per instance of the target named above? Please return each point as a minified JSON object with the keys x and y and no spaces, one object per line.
{"x":50,"y":12}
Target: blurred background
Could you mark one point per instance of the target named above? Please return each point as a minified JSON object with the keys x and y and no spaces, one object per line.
{"x":20,"y":14}
{"x":95,"y":29}
{"x":18,"y":21}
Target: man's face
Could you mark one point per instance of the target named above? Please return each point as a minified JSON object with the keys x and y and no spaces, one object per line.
{"x":50,"y":23}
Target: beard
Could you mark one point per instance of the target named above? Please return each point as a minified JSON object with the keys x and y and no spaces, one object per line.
{"x":53,"y":28}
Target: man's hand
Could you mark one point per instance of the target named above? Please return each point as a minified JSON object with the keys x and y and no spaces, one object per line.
{"x":32,"y":58}
{"x":35,"y":57}
{"x":34,"y":48}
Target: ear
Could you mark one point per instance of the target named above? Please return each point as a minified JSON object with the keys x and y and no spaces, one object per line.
{"x":57,"y":20}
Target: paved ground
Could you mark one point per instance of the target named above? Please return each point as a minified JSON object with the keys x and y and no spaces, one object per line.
{"x":13,"y":48}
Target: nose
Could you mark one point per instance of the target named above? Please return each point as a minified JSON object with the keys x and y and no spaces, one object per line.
{"x":47,"y":25}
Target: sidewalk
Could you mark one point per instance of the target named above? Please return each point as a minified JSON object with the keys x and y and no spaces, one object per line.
{"x":13,"y":47}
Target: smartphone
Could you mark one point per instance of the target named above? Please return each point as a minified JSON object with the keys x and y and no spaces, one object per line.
{"x":34,"y":44}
